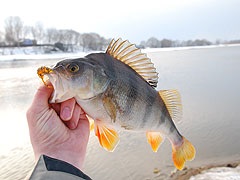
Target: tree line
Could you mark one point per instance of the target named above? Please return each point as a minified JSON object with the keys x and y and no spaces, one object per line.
{"x":15,"y":31}
{"x":155,"y":43}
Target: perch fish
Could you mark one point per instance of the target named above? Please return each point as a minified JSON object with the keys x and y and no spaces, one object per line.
{"x":117,"y":90}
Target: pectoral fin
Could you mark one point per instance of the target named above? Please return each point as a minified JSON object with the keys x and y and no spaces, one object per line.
{"x":154,"y":139}
{"x":110,"y":107}
{"x":107,"y":136}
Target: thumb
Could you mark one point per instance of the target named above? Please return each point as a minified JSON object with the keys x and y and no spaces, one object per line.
{"x":40,"y":103}
{"x":41,"y":97}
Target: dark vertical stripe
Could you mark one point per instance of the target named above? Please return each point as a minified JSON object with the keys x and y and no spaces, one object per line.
{"x":150,"y":102}
{"x":125,"y":90}
{"x":132,"y":96}
{"x":131,"y":92}
{"x":163,"y":114}
{"x":110,"y":66}
{"x":172,"y":128}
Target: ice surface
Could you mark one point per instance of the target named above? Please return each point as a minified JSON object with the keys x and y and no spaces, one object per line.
{"x":207,"y":80}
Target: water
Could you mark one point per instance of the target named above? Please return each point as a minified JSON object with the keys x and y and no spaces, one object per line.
{"x":208,"y":80}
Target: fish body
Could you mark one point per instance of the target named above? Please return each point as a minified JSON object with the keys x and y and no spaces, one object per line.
{"x":117,"y":90}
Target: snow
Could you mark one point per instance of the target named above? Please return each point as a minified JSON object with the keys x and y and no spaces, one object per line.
{"x":186,"y":48}
{"x":37,"y":53}
{"x":34,"y":53}
{"x":219,"y":173}
{"x":39,"y":56}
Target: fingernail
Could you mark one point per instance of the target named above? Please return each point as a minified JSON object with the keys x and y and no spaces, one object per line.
{"x":66,"y":113}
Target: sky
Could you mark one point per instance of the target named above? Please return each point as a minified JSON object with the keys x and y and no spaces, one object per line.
{"x":133,"y":20}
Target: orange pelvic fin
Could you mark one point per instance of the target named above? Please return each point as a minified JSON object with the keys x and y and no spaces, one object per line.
{"x":107,"y":136}
{"x":91,"y":122}
{"x":181,"y":154}
{"x":154,"y":139}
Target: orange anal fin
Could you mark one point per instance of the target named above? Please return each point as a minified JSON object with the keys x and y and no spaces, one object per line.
{"x":181,"y":154}
{"x":154,"y":139}
{"x":107,"y":136}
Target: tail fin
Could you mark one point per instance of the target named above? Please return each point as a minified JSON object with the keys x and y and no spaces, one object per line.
{"x":181,"y":154}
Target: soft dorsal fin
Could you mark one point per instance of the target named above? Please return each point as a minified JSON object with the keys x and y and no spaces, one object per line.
{"x":128,"y":53}
{"x":172,"y":100}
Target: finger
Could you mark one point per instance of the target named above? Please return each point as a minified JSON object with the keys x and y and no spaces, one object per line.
{"x":56,"y":107}
{"x":73,"y":122}
{"x":67,"y":108}
{"x":82,"y":111}
{"x":82,"y":130}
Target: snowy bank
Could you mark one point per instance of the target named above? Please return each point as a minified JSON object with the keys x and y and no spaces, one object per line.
{"x":35,"y":53}
{"x":228,"y":171}
{"x":38,"y":53}
{"x":219,"y":173}
{"x":186,"y":48}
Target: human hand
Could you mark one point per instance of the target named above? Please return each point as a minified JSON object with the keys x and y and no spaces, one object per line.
{"x":60,"y":130}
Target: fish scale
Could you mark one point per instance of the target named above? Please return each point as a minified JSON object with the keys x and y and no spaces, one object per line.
{"x":117,"y":90}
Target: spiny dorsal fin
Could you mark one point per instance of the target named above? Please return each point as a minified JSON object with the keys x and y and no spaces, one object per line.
{"x":128,"y":53}
{"x":172,"y":100}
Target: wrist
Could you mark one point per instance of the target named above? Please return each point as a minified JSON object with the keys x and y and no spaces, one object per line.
{"x":75,"y":159}
{"x":46,"y":163}
{"x":69,"y":157}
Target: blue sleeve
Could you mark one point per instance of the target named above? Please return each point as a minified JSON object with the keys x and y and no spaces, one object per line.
{"x":50,"y":168}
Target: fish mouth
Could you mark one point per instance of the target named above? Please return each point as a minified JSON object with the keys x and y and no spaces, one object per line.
{"x":42,"y":71}
{"x":52,"y":79}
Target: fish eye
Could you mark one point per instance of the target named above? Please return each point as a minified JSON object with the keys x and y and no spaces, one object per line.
{"x":73,"y":67}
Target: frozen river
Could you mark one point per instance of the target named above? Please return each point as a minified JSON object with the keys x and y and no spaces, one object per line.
{"x":208,"y":80}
